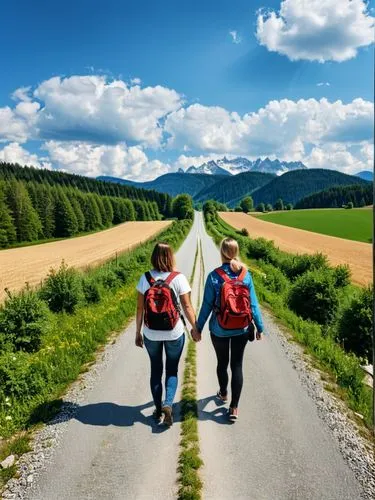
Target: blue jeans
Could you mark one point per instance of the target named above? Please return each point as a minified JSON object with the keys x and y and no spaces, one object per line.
{"x":173,"y":350}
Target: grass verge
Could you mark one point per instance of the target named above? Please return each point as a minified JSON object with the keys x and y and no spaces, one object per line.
{"x":189,"y":462}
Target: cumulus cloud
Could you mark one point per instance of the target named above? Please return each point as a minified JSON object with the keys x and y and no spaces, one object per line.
{"x":18,"y":124}
{"x":337,"y":156}
{"x":235,"y":37}
{"x":316,"y":30}
{"x":285,"y":129}
{"x":89,"y":108}
{"x":93,"y":160}
{"x":15,"y":153}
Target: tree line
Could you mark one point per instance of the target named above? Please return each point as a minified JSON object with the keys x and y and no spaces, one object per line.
{"x":9,"y":171}
{"x":30,"y":211}
{"x":337,"y":196}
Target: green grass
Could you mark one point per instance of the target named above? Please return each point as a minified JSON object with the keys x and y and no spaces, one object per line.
{"x":354,"y":224}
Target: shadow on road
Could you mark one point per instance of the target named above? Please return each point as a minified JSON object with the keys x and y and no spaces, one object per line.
{"x":107,"y":413}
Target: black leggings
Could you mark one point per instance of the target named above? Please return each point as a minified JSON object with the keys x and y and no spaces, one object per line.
{"x":236,"y":345}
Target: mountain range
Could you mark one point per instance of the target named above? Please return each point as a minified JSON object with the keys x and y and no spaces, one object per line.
{"x":263,"y":187}
{"x":239,"y":165}
{"x":367,"y":175}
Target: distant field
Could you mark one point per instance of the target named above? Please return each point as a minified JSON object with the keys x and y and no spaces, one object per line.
{"x":356,"y":254}
{"x":31,"y":264}
{"x":355,"y":224}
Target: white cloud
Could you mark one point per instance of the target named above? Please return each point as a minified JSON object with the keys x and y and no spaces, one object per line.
{"x":14,"y":153}
{"x":17,"y":124}
{"x":135,"y":81}
{"x":284,"y":129}
{"x":93,"y":160}
{"x":235,"y":37}
{"x":90,"y":108}
{"x":316,"y":30}
{"x":22,"y":94}
{"x":323,"y":84}
{"x":336,"y":156}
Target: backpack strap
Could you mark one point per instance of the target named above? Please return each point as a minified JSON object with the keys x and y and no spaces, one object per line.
{"x":171,"y":277}
{"x":149,"y":278}
{"x":242,"y":274}
{"x":223,"y":274}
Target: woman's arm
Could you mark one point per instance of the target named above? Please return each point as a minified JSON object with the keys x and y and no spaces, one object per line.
{"x":188,"y":309}
{"x":139,"y":321}
{"x":255,"y":309}
{"x":207,"y":304}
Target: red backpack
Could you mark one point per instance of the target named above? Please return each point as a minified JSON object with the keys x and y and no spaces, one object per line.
{"x":161,"y":308}
{"x":234,"y":308}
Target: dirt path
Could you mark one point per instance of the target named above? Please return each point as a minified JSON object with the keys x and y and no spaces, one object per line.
{"x":31,"y":264}
{"x":356,"y":254}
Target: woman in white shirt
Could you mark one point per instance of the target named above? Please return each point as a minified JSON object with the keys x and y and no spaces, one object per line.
{"x":158,"y":315}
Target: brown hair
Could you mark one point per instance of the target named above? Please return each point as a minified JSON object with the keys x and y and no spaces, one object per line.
{"x":229,"y":251}
{"x":162,"y":258}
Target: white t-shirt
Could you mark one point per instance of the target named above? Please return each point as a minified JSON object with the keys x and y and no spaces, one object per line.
{"x":180,"y":286}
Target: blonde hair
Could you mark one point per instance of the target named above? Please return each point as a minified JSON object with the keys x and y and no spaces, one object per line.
{"x":162,"y":258}
{"x":229,"y":251}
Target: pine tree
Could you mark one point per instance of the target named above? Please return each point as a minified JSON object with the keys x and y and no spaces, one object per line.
{"x":139,"y":209}
{"x":66,"y":223}
{"x":26,"y":221}
{"x":73,"y":198}
{"x":8,"y":233}
{"x":92,"y":213}
{"x":108,"y":211}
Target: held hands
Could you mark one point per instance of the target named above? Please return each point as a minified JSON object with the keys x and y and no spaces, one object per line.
{"x":139,"y":339}
{"x":196,"y":334}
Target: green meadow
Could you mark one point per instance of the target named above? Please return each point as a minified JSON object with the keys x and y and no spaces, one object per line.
{"x":354,"y":224}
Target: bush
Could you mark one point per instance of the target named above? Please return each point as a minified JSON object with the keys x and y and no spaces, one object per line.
{"x":261,"y":248}
{"x":355,"y":325}
{"x":295,"y":265}
{"x":23,"y":321}
{"x":123,"y":271}
{"x":314,"y":296}
{"x":341,"y":276}
{"x":109,"y":278}
{"x":274,"y":280}
{"x":349,"y":205}
{"x":91,"y":291}
{"x":62,"y":289}
{"x":244,"y":232}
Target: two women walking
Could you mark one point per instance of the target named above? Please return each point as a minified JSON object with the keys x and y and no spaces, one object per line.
{"x":163,"y":304}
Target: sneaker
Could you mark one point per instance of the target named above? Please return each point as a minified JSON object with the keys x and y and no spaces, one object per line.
{"x":168,"y":417}
{"x":233,"y":414}
{"x":157,"y":416}
{"x":223,"y":399}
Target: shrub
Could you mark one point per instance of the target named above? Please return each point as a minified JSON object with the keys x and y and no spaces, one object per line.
{"x":274,"y":280}
{"x":261,"y":248}
{"x":355,"y":325}
{"x":341,"y":276}
{"x":295,"y":265}
{"x":91,"y":291}
{"x":349,"y":205}
{"x":314,"y":296}
{"x":108,"y":278}
{"x":62,"y":289}
{"x":24,"y":320}
{"x":244,"y":232}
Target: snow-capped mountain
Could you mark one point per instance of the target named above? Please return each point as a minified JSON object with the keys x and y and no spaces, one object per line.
{"x":239,"y":165}
{"x":210,"y":168}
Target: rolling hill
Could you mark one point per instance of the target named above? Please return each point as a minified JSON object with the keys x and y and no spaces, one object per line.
{"x":367,"y":175}
{"x":293,"y":186}
{"x":172,"y":184}
{"x":231,"y":190}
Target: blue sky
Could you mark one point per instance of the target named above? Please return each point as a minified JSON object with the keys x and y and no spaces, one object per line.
{"x":195,"y":81}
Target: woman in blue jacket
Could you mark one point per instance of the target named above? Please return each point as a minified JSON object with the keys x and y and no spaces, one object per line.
{"x":228,"y":344}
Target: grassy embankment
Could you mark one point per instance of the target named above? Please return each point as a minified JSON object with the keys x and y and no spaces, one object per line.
{"x":342,"y":369}
{"x":32,"y":383}
{"x":354,"y":224}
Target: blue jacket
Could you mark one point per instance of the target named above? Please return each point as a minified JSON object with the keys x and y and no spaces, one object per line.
{"x":211,"y":296}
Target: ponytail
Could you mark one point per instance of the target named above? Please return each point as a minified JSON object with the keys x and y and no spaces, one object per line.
{"x":229,"y":251}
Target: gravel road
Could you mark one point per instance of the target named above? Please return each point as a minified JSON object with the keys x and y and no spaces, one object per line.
{"x":289,"y":443}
